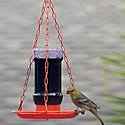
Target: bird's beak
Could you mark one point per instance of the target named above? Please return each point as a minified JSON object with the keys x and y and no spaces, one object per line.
{"x":67,"y":92}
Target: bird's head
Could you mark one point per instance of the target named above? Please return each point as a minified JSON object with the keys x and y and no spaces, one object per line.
{"x":70,"y":90}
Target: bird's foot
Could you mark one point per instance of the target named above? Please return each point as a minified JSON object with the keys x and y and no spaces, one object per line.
{"x":82,"y":112}
{"x":77,"y":111}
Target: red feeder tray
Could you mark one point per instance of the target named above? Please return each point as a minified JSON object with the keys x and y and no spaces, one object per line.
{"x":53,"y":112}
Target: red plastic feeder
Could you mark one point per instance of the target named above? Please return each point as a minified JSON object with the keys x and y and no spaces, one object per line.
{"x":52,"y":113}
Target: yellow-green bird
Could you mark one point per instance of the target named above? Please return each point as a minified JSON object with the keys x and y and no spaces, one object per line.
{"x":82,"y":102}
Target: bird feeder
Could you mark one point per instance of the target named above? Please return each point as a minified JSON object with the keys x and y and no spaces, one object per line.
{"x":54,"y":88}
{"x":55,"y":58}
{"x":48,"y":83}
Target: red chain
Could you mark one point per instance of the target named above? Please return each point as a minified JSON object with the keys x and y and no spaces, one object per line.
{"x":47,"y":53}
{"x":39,"y":25}
{"x":31,"y":59}
{"x":25,"y":83}
{"x":57,"y":27}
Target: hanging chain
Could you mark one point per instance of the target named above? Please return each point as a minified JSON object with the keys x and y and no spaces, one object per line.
{"x":46,"y":54}
{"x":57,"y":27}
{"x":31,"y":59}
{"x":39,"y":25}
{"x":47,"y":4}
{"x":25,"y":83}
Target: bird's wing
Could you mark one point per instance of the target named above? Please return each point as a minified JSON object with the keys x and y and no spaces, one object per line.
{"x":83,"y":100}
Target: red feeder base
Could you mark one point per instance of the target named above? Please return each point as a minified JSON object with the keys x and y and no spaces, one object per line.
{"x":46,"y":115}
{"x":52,"y":113}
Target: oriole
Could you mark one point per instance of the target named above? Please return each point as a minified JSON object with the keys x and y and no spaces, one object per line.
{"x":82,"y":102}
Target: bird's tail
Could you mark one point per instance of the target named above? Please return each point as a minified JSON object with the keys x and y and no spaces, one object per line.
{"x":100,"y":120}
{"x":95,"y":113}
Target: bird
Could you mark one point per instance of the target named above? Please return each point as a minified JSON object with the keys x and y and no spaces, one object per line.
{"x":84,"y":103}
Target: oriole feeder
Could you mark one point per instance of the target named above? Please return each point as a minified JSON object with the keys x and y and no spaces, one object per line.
{"x":54,"y":88}
{"x":47,"y":91}
{"x":55,"y":57}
